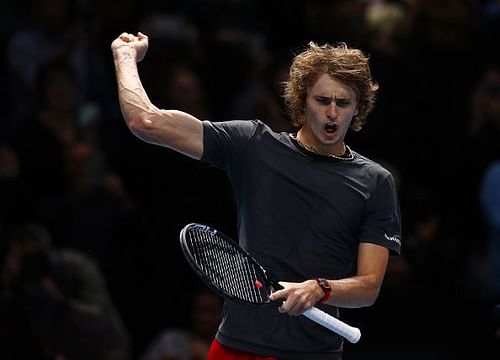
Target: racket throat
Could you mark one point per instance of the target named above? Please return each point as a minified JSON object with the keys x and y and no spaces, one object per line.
{"x":275,"y":285}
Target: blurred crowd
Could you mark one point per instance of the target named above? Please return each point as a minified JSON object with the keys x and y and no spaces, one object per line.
{"x":90,"y":266}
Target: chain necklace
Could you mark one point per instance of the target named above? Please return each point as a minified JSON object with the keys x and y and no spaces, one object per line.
{"x":348,"y":155}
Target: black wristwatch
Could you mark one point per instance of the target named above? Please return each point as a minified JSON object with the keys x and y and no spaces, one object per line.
{"x":326,"y":287}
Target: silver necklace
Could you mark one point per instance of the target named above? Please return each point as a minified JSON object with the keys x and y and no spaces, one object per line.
{"x":348,"y":155}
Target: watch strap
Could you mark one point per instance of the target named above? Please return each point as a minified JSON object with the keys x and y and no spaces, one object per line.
{"x":326,"y":287}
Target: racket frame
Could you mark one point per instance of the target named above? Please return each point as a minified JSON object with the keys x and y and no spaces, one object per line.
{"x":269,"y":284}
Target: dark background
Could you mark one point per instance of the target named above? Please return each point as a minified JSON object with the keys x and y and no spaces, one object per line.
{"x":222,"y":60}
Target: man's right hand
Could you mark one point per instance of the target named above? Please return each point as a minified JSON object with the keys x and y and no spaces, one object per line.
{"x":134,"y":45}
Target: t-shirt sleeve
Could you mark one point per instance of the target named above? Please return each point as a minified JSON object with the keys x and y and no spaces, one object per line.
{"x":382,"y":222}
{"x":223,"y":141}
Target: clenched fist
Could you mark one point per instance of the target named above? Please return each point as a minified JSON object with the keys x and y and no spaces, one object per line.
{"x":134,"y":45}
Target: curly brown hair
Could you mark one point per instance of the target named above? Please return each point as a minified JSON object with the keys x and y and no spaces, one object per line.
{"x":345,"y":64}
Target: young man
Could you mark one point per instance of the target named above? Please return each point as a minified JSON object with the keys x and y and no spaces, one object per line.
{"x":317,"y":214}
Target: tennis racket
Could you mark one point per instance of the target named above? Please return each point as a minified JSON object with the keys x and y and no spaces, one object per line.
{"x":234,"y":274}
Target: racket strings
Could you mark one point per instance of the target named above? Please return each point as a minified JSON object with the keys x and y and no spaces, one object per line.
{"x":213,"y":259}
{"x":226,"y":267}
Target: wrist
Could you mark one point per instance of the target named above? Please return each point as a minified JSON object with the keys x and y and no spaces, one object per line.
{"x":326,"y":289}
{"x":124,"y":52}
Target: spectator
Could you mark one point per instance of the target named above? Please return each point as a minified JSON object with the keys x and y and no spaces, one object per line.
{"x":55,"y":303}
{"x":192,"y":343}
{"x":490,"y":206}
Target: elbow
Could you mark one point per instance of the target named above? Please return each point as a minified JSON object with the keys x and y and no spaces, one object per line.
{"x":139,"y":124}
{"x":147,"y":126}
{"x":139,"y":116}
{"x":370,"y":296}
{"x":135,"y":123}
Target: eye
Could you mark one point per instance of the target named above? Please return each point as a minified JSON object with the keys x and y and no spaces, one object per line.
{"x":342,"y":102}
{"x":323,"y":100}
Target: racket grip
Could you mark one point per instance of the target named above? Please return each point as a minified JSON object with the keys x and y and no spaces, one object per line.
{"x":350,"y":333}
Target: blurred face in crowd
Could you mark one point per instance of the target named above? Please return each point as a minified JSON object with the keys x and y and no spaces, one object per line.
{"x":491,"y":89}
{"x":207,"y":314}
{"x":60,"y":92}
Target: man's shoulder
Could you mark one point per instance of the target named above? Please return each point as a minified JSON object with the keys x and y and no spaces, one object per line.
{"x":377,"y":166}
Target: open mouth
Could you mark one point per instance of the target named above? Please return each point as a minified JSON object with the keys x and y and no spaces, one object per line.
{"x":330,"y":128}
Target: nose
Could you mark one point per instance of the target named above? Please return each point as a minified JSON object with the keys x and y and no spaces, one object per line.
{"x":331,"y":111}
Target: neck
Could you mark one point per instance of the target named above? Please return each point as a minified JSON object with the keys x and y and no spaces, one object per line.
{"x":302,"y":140}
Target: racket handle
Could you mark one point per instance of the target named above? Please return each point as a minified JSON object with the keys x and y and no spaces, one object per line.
{"x":351,"y":333}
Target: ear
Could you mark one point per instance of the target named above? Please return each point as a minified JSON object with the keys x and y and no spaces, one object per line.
{"x":355,"y":112}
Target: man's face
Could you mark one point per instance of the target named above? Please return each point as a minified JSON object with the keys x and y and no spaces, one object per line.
{"x":330,"y":107}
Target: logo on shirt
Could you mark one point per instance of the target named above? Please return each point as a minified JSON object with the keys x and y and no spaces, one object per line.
{"x":394,"y":238}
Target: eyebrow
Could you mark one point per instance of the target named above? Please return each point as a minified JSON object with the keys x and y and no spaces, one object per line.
{"x":322,"y":97}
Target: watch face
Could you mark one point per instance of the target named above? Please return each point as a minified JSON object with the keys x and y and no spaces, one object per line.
{"x":327,"y":289}
{"x":324,"y":284}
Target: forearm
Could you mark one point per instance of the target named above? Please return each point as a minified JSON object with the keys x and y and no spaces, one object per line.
{"x":354,"y":292}
{"x":137,"y":110}
{"x":363,"y":288}
{"x":171,"y":128}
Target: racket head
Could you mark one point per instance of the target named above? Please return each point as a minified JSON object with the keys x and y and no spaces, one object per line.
{"x":224,"y":266}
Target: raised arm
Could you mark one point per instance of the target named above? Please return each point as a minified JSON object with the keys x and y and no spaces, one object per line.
{"x":174,"y":129}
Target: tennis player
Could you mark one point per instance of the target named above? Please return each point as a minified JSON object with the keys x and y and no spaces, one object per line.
{"x":311,"y":210}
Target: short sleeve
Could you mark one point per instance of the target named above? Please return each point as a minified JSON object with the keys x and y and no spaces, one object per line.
{"x":382,"y":221}
{"x":223,"y":141}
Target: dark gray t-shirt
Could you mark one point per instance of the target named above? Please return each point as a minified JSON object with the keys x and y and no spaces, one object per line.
{"x":302,"y":216}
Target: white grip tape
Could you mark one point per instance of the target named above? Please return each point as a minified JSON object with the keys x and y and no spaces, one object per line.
{"x":351,"y":333}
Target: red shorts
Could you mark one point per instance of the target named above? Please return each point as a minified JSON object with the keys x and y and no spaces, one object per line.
{"x":220,"y":352}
